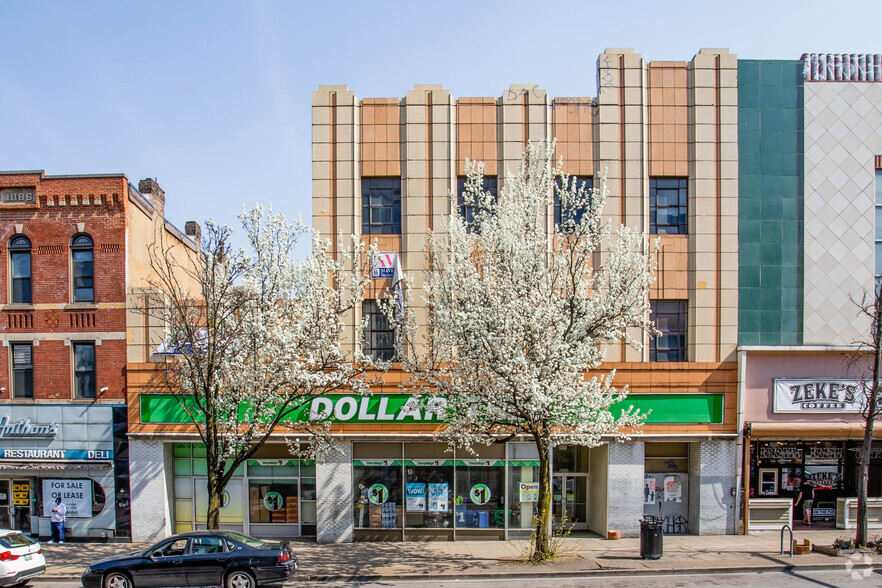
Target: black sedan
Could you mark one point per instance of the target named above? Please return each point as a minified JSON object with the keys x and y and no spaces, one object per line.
{"x":200,"y":558}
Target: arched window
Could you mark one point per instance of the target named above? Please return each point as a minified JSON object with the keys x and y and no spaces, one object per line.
{"x":81,"y":253}
{"x":20,"y":269}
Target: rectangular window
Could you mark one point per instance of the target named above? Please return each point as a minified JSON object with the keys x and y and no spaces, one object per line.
{"x":566,"y":217}
{"x":84,"y":369}
{"x":381,"y":206}
{"x":467,"y":211}
{"x":377,"y":494}
{"x":878,"y":224}
{"x":20,"y":262}
{"x":83,"y":281}
{"x":480,"y":500}
{"x":379,"y":337}
{"x":22,"y":370}
{"x":667,"y":206}
{"x":669,"y":317}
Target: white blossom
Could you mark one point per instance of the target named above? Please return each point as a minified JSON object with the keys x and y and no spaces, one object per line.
{"x":258,"y":334}
{"x":518,"y":313}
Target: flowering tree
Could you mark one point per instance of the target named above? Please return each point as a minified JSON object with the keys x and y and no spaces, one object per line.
{"x":517,"y":314}
{"x":871,"y":407}
{"x":252,"y":336}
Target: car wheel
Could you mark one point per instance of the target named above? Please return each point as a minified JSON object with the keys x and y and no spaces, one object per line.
{"x":117,"y":580}
{"x":240,"y":579}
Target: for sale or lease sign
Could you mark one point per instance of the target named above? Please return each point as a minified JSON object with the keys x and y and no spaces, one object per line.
{"x":75,"y":494}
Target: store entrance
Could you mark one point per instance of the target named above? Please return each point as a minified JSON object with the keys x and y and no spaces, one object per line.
{"x":569,"y":495}
{"x":6,"y":518}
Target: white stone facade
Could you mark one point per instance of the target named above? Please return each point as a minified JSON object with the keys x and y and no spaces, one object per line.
{"x":150,"y":463}
{"x":333,"y":482}
{"x":625,"y":487}
{"x":712,"y":477}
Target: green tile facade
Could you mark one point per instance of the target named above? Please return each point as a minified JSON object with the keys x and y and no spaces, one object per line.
{"x":770,"y":193}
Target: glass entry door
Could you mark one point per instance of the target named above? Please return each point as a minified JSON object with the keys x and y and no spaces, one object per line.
{"x":6,"y":521}
{"x":569,"y":495}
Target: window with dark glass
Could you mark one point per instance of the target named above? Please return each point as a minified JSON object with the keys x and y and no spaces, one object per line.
{"x":81,"y":251}
{"x":20,"y":269}
{"x":468,"y":211}
{"x":22,"y":370}
{"x":669,"y":317}
{"x":84,"y":369}
{"x":667,"y":206}
{"x":379,"y":337}
{"x":567,"y":217}
{"x":381,"y":206}
{"x":878,"y":225}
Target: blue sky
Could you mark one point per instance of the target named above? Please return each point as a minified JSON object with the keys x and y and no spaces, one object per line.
{"x":213,"y":98}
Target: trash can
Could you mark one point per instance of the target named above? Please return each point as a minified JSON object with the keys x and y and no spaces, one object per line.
{"x":651,"y":537}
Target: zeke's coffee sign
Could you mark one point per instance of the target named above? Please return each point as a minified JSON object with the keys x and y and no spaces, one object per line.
{"x":818,"y":396}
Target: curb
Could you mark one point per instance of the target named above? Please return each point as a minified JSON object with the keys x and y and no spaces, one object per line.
{"x":326,"y":578}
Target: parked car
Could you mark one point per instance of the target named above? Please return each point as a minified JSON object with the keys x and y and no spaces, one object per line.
{"x":21,"y":558}
{"x":199,"y":558}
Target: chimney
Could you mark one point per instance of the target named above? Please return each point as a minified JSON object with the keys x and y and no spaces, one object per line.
{"x":193,"y":230}
{"x":157,"y":195}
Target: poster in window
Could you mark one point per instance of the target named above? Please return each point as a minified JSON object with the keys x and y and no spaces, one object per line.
{"x":648,"y":489}
{"x":673,"y":488}
{"x":415,"y":496}
{"x":438,"y":497}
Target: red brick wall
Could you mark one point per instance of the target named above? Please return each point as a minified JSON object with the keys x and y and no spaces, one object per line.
{"x":50,"y":227}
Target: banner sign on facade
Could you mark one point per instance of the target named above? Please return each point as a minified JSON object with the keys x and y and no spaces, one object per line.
{"x":407,"y":409}
{"x":817,"y":396}
{"x":383,"y":265}
{"x":24,"y":429}
{"x":75,"y":494}
{"x":56,"y":454}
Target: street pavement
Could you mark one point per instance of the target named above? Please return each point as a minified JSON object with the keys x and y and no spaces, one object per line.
{"x":581,"y":557}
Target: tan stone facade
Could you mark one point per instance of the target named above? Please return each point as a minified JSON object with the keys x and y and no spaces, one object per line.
{"x":649,"y":120}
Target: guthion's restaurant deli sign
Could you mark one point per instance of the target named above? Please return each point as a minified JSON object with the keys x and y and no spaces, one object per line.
{"x":812,"y":396}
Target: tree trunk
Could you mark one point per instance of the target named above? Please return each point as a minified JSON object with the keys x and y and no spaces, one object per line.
{"x":215,"y":491}
{"x":860,"y":536}
{"x":542,"y":542}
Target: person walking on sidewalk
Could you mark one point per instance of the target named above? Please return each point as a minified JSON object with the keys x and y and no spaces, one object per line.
{"x":57,"y":517}
{"x":807,"y":496}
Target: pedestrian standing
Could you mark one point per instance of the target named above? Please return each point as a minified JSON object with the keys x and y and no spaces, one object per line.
{"x":807,"y":496}
{"x":59,"y":511}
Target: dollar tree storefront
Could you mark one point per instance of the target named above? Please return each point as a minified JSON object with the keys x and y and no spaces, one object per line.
{"x":391,"y":480}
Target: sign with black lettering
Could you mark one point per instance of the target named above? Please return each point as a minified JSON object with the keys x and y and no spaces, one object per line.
{"x":18,"y":196}
{"x":75,"y":494}
{"x":812,"y":396}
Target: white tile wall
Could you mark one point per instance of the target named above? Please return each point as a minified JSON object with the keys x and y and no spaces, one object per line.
{"x":843,"y":131}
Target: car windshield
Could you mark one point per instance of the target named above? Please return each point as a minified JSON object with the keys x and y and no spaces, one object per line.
{"x":249,"y":541}
{"x":15,"y":540}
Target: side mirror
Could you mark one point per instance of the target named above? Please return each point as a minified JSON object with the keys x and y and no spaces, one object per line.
{"x":151,"y":557}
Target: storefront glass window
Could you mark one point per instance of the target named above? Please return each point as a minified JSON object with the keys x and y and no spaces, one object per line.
{"x":273,"y":501}
{"x":377,"y":493}
{"x":523,"y":478}
{"x":480,"y":498}
{"x":429,"y":493}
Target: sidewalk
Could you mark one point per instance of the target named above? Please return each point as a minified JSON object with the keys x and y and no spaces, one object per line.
{"x":449,"y":560}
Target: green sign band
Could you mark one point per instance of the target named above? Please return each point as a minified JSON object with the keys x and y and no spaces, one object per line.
{"x":406,"y":409}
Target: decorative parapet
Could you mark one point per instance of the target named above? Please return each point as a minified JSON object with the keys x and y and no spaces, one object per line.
{"x":842,"y":67}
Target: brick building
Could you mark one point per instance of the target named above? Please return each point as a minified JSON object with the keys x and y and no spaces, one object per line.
{"x":74,"y":251}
